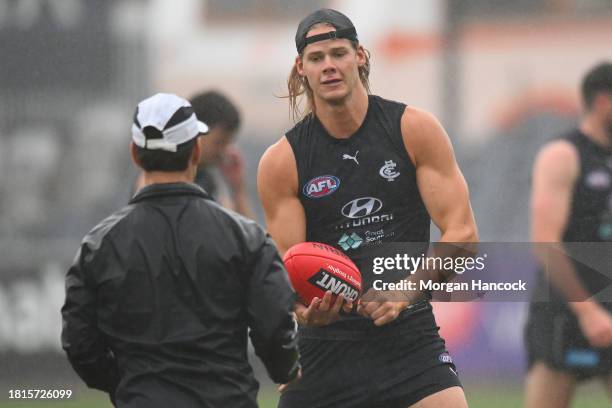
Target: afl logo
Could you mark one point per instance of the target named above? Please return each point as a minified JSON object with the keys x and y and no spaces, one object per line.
{"x":321,"y":186}
{"x":445,"y":358}
{"x":598,"y":180}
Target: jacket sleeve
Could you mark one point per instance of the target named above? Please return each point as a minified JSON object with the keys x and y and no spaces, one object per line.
{"x":271,"y":300}
{"x":83,"y":342}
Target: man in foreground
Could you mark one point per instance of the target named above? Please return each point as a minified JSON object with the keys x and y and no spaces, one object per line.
{"x":162,"y":292}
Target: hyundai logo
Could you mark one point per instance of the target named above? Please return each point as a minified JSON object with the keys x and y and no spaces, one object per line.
{"x":361,"y":207}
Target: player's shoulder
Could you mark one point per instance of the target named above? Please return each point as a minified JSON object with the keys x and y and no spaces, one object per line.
{"x":104,"y":228}
{"x":277,"y":154}
{"x":561,"y":149}
{"x":423,"y":134}
{"x":98,"y":236}
{"x":559,"y":157}
{"x":277,"y":170}
{"x":418,"y":120}
{"x":277,"y":161}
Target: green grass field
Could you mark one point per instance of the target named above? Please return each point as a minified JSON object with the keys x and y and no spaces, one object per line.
{"x":479,"y":396}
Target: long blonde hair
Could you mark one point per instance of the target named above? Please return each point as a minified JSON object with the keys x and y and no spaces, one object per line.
{"x":298,"y":86}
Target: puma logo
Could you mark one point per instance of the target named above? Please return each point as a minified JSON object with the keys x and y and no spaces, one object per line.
{"x":349,"y":157}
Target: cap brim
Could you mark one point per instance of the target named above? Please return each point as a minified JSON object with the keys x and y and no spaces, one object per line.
{"x":202,"y":128}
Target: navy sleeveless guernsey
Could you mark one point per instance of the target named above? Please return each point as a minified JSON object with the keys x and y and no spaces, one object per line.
{"x":359,"y":192}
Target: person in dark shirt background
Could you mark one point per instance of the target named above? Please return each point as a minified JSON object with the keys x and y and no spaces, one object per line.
{"x":569,"y":336}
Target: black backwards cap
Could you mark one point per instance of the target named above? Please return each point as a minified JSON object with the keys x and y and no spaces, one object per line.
{"x":344,"y":28}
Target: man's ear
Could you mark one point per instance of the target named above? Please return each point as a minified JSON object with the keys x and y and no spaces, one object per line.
{"x":196,"y":153}
{"x":361,"y":56}
{"x":299,"y":66}
{"x":601,"y":101}
{"x":134,"y":155}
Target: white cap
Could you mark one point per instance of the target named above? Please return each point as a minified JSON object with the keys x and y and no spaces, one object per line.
{"x":172,"y":118}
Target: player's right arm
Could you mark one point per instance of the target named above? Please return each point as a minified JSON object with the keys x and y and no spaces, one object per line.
{"x":82,"y":340}
{"x":555,"y":172}
{"x":277,"y":183}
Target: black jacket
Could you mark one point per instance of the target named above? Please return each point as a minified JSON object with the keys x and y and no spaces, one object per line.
{"x":159,"y":299}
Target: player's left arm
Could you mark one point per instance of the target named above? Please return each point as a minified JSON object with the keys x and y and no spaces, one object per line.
{"x":440,"y":181}
{"x":445,"y":195}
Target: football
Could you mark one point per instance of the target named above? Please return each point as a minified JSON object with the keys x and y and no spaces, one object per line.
{"x":315,"y":268}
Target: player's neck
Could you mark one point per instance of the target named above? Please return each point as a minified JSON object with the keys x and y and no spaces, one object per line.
{"x":165,"y":177}
{"x":342,"y":120}
{"x":594,"y":130}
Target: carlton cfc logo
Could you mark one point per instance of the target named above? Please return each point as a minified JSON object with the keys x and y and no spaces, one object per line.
{"x":388,"y":170}
{"x":321,"y":186}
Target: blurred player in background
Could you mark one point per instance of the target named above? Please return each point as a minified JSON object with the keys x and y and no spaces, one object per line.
{"x":569,"y":340}
{"x":359,"y":157}
{"x":161,"y":293}
{"x":219,"y":150}
{"x":220,"y":154}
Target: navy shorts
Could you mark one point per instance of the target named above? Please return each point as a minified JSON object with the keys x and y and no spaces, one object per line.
{"x":553,"y":336}
{"x":358,"y":365}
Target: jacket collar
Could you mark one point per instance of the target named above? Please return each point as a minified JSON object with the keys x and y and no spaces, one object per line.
{"x":169,"y":189}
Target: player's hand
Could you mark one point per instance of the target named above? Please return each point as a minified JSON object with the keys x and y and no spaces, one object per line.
{"x":381,"y":306}
{"x":283,"y":387}
{"x":322,"y":312}
{"x":232,"y":168}
{"x":596,"y":325}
